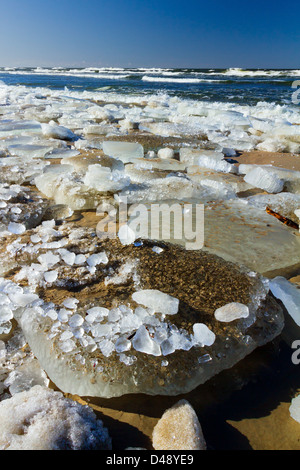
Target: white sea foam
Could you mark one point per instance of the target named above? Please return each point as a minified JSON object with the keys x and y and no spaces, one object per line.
{"x":146,"y":78}
{"x":238,"y":72}
{"x":117,"y":72}
{"x":84,"y":73}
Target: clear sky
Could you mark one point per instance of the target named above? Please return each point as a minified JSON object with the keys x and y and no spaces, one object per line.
{"x":149,"y":33}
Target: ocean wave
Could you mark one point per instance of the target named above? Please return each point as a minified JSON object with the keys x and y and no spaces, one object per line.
{"x":112,"y":72}
{"x":145,"y":78}
{"x":72,"y":73}
{"x":109,"y":72}
{"x":262,"y":73}
{"x":224,"y":85}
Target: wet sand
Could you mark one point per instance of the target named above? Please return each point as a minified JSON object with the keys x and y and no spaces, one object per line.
{"x":246,"y":407}
{"x":280,"y":160}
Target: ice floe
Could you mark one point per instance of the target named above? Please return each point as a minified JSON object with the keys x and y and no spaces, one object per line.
{"x":125,"y":151}
{"x":80,"y":336}
{"x":289,"y":294}
{"x":267,"y":180}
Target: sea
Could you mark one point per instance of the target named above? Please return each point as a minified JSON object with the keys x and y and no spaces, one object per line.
{"x":232,"y":85}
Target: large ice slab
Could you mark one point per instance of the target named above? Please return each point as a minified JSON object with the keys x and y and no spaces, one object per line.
{"x":57,"y":132}
{"x":80,"y":163}
{"x":106,"y":345}
{"x":235,"y":183}
{"x":289,"y":294}
{"x":291,"y":178}
{"x":144,"y":170}
{"x":284,"y":204}
{"x":157,"y":164}
{"x":267,"y":180}
{"x":15,"y":128}
{"x":238,"y":232}
{"x":62,"y":153}
{"x":29,"y":150}
{"x":125,"y":151}
{"x":174,"y":187}
{"x":190,"y":155}
{"x":206,"y":159}
{"x":82,"y":190}
{"x":105,"y":180}
{"x":160,"y":189}
{"x":99,"y":129}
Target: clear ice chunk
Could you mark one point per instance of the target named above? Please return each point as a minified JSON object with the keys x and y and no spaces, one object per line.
{"x":142,"y":342}
{"x":157,"y":300}
{"x":232,"y":311}
{"x":125,"y":151}
{"x":203,"y":335}
{"x":289,"y":294}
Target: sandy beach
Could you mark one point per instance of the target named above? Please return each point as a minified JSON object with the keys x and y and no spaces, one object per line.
{"x":281,"y":160}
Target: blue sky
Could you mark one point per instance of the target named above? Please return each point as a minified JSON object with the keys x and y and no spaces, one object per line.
{"x":162,"y":33}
